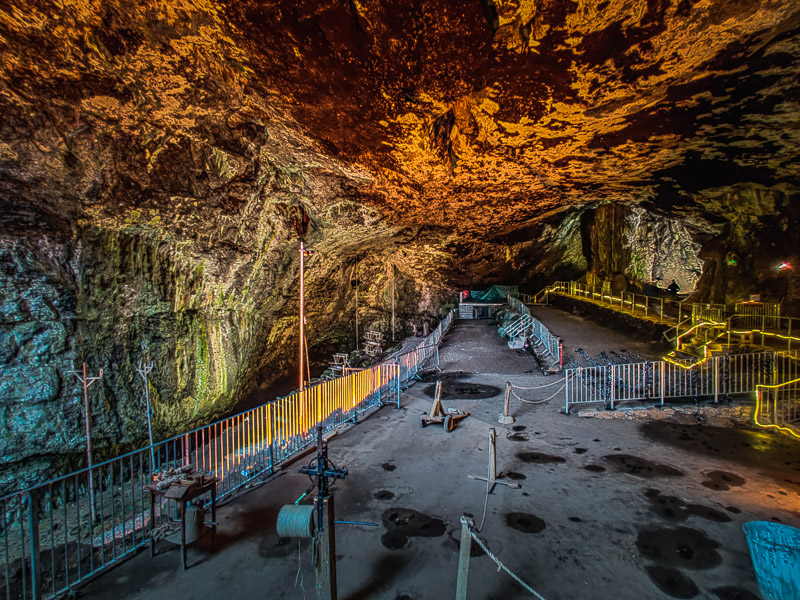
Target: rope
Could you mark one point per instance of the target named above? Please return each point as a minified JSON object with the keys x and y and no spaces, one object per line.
{"x":299,"y":577}
{"x":538,"y":387}
{"x":500,"y":565}
{"x":558,"y":391}
{"x":485,"y":504}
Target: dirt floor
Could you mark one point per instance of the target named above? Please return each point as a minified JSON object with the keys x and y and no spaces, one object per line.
{"x":608,"y":509}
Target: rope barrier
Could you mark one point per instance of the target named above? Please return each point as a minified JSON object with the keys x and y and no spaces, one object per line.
{"x":500,"y":565}
{"x":558,"y":391}
{"x":538,"y":387}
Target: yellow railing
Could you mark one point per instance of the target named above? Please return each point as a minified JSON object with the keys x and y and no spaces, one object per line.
{"x":779,"y":404}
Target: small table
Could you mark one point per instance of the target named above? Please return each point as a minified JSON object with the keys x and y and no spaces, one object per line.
{"x":200,"y":487}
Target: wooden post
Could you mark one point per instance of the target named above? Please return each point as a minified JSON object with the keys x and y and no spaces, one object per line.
{"x":505,"y":418}
{"x":463,"y":558}
{"x":326,"y":555}
{"x":492,"y":473}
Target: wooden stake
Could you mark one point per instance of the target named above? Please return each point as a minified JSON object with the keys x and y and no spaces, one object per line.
{"x":492,"y":475}
{"x":463,"y":558}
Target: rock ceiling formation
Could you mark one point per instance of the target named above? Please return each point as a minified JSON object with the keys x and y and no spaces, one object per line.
{"x":158,"y":157}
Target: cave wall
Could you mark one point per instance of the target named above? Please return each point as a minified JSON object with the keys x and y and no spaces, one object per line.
{"x":156,"y":159}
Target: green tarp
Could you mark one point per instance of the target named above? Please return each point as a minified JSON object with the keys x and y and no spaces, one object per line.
{"x":494,"y":295}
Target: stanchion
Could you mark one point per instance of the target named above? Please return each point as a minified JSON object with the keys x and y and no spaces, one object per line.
{"x":505,"y":418}
{"x":492,"y":479}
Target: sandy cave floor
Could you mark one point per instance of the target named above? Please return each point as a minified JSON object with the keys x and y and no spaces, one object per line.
{"x":608,"y":509}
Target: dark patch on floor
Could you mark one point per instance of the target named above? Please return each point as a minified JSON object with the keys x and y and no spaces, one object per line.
{"x":733,"y":509}
{"x":575,"y":519}
{"x":525,"y":522}
{"x":403,"y":523}
{"x":594,"y":468}
{"x":680,"y":547}
{"x":675,"y":509}
{"x":641,"y":467}
{"x":384,"y":575}
{"x":722,"y":481}
{"x":388,"y":466}
{"x":454,"y":542}
{"x":729,"y":592}
{"x":514,"y":476}
{"x":672,"y":582}
{"x":383,"y":495}
{"x":271,"y":546}
{"x":463,"y":390}
{"x":519,"y":428}
{"x":736,"y":445}
{"x":403,"y":597}
{"x":434,"y":376}
{"x":518,"y":437}
{"x":580,"y":450}
{"x":540,"y":458}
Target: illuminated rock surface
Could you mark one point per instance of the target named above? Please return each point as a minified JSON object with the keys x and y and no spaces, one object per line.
{"x":156,"y":159}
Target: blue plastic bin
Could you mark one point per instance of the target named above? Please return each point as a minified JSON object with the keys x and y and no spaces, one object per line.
{"x":775,"y":550}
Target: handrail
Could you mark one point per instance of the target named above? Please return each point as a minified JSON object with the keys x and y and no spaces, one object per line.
{"x":237,"y":449}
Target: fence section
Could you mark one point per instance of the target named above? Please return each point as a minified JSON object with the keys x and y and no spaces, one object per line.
{"x":779,"y":406}
{"x":424,"y":354}
{"x":527,"y":324}
{"x":52,"y":537}
{"x":660,"y":380}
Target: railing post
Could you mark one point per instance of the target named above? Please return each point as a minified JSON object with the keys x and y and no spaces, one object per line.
{"x":463,"y":559}
{"x":663,"y":375}
{"x":272,"y":435}
{"x":566,"y":392}
{"x":716,"y":379}
{"x":763,"y":325}
{"x":33,"y":531}
{"x":789,"y":335}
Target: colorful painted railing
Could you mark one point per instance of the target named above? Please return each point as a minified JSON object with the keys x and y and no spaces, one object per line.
{"x":51,"y":541}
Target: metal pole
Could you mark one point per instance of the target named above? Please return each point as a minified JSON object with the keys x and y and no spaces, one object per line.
{"x":144,"y":371}
{"x":357,"y":282}
{"x":33,"y":527}
{"x":84,"y":378}
{"x":302,"y":312}
{"x":393,"y":292}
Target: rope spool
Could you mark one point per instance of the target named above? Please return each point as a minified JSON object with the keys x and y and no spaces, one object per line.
{"x":296,"y":521}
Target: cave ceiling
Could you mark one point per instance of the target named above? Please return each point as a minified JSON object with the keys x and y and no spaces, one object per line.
{"x":475,"y":118}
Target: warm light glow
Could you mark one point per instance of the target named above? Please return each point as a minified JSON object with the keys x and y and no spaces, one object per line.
{"x":759,"y":387}
{"x":783,"y":266}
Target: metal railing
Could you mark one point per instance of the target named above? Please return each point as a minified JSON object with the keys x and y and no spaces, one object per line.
{"x":778,"y":406}
{"x":424,"y":355}
{"x":51,"y":543}
{"x":660,"y":380}
{"x":762,"y":318}
{"x":528,"y":325}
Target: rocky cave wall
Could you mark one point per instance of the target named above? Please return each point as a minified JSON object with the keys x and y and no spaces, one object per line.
{"x":157,"y":160}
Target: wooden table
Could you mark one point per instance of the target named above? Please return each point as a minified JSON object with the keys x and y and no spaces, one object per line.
{"x":189,"y":493}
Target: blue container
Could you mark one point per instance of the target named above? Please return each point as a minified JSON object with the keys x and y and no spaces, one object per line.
{"x":775,"y":550}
